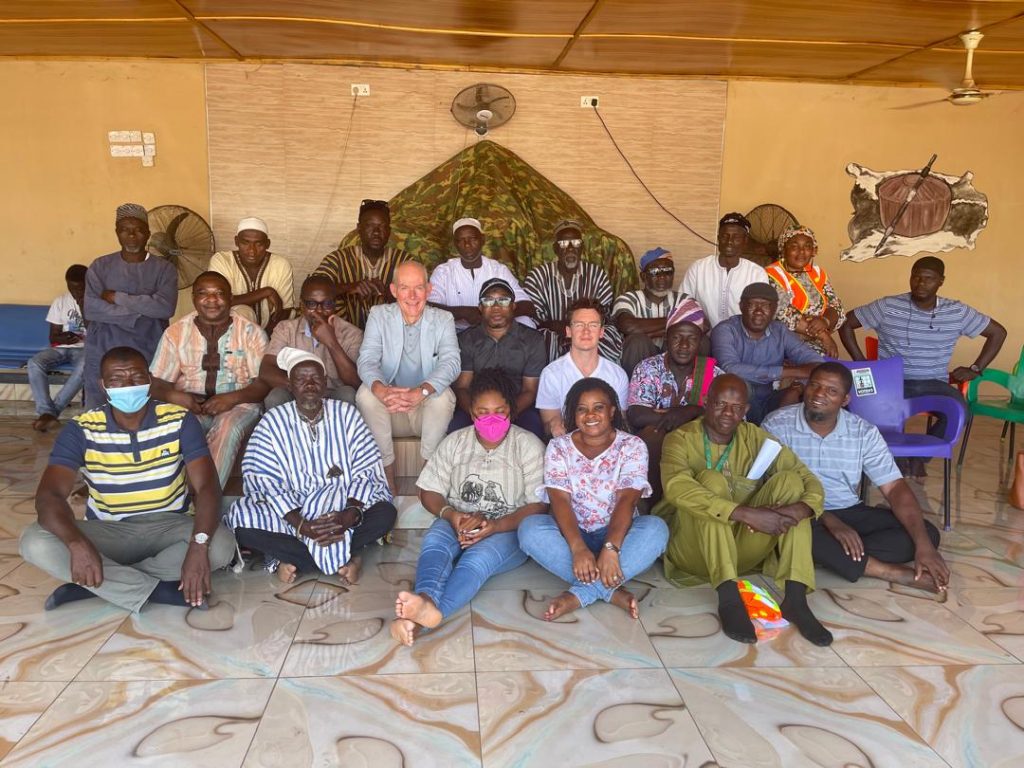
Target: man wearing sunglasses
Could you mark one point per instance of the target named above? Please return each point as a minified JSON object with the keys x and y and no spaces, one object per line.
{"x":457,"y":282}
{"x":640,"y":315}
{"x":361,"y":273}
{"x":500,"y":342}
{"x":320,"y":331}
{"x":555,"y":285}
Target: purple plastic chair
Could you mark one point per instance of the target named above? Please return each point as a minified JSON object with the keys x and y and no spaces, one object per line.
{"x":878,"y":398}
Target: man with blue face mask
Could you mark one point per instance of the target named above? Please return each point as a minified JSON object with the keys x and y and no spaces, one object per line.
{"x":138,"y":543}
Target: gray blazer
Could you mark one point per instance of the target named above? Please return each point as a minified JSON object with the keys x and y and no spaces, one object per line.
{"x":381,"y":352}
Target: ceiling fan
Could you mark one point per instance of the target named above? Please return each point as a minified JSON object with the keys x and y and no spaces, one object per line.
{"x":967,"y":93}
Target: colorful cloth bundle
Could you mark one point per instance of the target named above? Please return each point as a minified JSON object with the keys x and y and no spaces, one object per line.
{"x":762,"y":609}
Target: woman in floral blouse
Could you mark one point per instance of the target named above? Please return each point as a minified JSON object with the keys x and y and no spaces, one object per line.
{"x":593,"y":477}
{"x":808,"y":305}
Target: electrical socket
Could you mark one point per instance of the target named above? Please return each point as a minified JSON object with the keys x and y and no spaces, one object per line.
{"x":586,"y":102}
{"x":360,"y":89}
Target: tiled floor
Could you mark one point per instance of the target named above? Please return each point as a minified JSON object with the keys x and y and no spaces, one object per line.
{"x":307,"y":675}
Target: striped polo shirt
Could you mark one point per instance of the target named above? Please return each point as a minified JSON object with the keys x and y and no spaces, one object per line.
{"x":923,"y":338}
{"x":132,"y":473}
{"x":839,"y":458}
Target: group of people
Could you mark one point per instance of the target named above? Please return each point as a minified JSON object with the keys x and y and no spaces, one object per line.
{"x":656,"y":421}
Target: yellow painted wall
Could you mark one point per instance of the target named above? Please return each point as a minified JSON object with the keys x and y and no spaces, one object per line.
{"x":789,"y":144}
{"x":61,"y":184}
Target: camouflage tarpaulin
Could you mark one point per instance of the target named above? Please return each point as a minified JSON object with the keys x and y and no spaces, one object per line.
{"x":517,"y":207}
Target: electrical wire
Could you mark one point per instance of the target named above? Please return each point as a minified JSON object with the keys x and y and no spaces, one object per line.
{"x":337,"y":178}
{"x":647,"y":189}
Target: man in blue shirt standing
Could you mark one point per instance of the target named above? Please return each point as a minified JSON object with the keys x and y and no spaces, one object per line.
{"x":851,"y":538}
{"x":762,"y":351}
{"x":129,"y":298}
{"x":922,"y":328}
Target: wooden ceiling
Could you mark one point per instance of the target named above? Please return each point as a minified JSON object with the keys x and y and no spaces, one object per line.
{"x":866,"y":41}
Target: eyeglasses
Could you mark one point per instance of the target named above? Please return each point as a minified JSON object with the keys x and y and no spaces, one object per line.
{"x":658,"y":271}
{"x":575,"y":243}
{"x":579,"y":325}
{"x":311,"y":305}
{"x":494,"y":301}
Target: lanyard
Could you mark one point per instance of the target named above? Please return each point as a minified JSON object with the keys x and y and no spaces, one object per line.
{"x":721,"y":459}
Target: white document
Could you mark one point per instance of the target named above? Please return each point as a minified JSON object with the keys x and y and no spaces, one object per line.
{"x":765,"y":458}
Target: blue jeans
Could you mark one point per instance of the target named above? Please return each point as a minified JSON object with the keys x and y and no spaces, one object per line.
{"x":451,"y":576}
{"x":46,"y":361}
{"x":541,"y":538}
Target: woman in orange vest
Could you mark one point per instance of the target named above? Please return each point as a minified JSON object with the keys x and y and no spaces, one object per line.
{"x":807,"y":304}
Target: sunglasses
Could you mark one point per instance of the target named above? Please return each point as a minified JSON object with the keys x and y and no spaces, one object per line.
{"x":658,"y":271}
{"x":311,"y":305}
{"x":575,"y":243}
{"x":368,"y":203}
{"x":494,"y":301}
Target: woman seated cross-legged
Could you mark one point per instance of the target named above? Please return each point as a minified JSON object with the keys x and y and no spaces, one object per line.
{"x":481,"y":482}
{"x":594,"y":477}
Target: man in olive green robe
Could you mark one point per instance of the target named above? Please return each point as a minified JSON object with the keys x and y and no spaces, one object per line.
{"x":723,"y":524}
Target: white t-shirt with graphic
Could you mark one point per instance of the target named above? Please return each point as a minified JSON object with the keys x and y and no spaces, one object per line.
{"x":65,"y":312}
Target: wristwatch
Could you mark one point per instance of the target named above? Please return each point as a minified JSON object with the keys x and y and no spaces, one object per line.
{"x":425,"y":392}
{"x":974,"y":367}
{"x":201,"y":538}
{"x":609,"y":546}
{"x":359,"y":509}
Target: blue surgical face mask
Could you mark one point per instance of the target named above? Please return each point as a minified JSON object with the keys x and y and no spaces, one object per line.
{"x":128,"y":399}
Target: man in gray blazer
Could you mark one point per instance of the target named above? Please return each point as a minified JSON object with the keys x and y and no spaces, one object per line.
{"x":407,"y":363}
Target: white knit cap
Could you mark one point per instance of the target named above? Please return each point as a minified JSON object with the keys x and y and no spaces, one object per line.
{"x":251,"y":222}
{"x":467,"y":223}
{"x":289,"y":357}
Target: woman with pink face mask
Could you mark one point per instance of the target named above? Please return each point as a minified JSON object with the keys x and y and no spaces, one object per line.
{"x":481,"y":482}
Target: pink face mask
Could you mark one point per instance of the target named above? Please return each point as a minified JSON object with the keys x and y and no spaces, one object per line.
{"x":493,"y":427}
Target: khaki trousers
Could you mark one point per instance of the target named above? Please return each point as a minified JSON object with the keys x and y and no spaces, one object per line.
{"x":428,"y":422}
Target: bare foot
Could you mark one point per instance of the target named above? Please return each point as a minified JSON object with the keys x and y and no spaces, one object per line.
{"x":405,"y":631}
{"x":286,"y":572}
{"x":625,"y":600}
{"x":565,"y":603}
{"x":348,"y":574}
{"x":418,"y":608}
{"x":900,"y":574}
{"x":44,"y":422}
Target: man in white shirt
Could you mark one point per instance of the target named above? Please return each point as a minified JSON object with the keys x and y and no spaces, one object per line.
{"x":585,"y":329}
{"x":457,"y":282}
{"x":67,"y":345}
{"x":717,"y":281}
{"x":262,"y":287}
